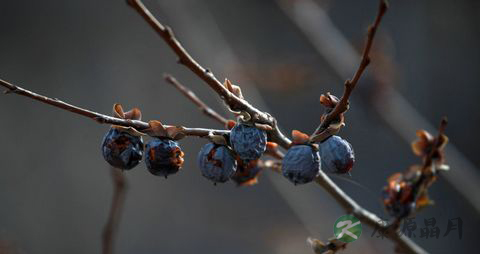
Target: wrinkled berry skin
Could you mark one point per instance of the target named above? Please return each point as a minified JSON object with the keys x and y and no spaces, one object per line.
{"x":163,"y":157}
{"x":337,"y":155}
{"x":248,"y":142}
{"x":301,"y":164}
{"x":121,"y":149}
{"x":216,"y":162}
{"x":247,"y":173}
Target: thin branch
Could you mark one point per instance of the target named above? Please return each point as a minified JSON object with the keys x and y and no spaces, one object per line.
{"x":366,"y":217}
{"x":118,"y":200}
{"x":350,"y":84}
{"x":207,"y":76}
{"x":191,"y":95}
{"x":101,"y":118}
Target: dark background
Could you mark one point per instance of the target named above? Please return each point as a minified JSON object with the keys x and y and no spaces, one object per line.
{"x":55,"y":188}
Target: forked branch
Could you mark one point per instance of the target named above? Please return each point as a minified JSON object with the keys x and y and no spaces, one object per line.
{"x":235,"y":103}
{"x":192,"y":97}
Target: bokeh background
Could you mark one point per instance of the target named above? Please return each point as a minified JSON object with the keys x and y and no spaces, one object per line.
{"x":55,"y":188}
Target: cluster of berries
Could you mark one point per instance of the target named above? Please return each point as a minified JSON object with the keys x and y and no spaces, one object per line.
{"x":236,"y":158}
{"x":123,"y":148}
{"x":304,"y":160}
{"x":219,"y":163}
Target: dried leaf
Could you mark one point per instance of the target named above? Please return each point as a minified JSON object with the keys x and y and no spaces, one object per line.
{"x":233,"y":88}
{"x":300,"y":137}
{"x":175,"y":132}
{"x":272,"y":146}
{"x":423,"y":201}
{"x":118,"y":111}
{"x":156,"y":129}
{"x":134,"y":114}
{"x":328,"y":100}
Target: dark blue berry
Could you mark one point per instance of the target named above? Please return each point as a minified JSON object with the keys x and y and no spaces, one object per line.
{"x":248,"y":142}
{"x":301,"y":164}
{"x":216,"y":162}
{"x":247,"y":173}
{"x":337,"y":155}
{"x":121,"y":149}
{"x":163,"y":157}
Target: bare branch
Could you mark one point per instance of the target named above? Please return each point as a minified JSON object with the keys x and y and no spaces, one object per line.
{"x":350,"y":84}
{"x":118,"y":201}
{"x":101,"y":118}
{"x":234,"y":102}
{"x":191,"y":95}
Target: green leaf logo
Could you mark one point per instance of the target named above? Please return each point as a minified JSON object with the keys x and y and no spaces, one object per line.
{"x":347,"y":228}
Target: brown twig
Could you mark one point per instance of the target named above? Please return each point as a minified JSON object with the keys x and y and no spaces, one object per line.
{"x":101,"y":118}
{"x":350,"y":84}
{"x":235,"y":103}
{"x":193,"y":97}
{"x":323,"y":180}
{"x":118,"y":200}
{"x":208,"y":111}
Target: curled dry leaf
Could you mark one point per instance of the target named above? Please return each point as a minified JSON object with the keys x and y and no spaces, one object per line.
{"x":272,"y":147}
{"x":176,"y":132}
{"x":156,"y":129}
{"x":423,"y":146}
{"x":133,"y":114}
{"x":328,"y":100}
{"x":236,"y":90}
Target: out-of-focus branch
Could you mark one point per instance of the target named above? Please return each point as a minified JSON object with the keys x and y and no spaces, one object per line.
{"x":234,"y":102}
{"x":193,"y":97}
{"x":101,"y":118}
{"x":350,"y":84}
{"x":118,"y":200}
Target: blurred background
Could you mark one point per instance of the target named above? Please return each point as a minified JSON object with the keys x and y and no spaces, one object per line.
{"x":55,"y":188}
